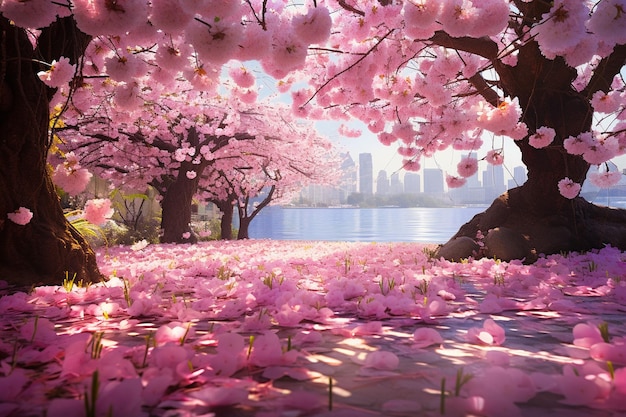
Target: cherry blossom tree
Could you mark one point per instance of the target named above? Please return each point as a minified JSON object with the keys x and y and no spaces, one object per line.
{"x":427,"y":75}
{"x":270,"y":171}
{"x":189,"y":141}
{"x":547,"y":76}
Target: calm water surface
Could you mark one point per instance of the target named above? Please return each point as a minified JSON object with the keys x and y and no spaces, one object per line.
{"x":426,"y":225}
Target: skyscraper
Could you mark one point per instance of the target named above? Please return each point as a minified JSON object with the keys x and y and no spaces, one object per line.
{"x":395,"y":186}
{"x":382,"y":183}
{"x":412,"y":183}
{"x":433,"y":181}
{"x":366,"y":174}
{"x":348,"y":177}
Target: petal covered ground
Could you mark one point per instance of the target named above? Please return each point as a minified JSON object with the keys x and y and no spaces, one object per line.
{"x":274,"y":328}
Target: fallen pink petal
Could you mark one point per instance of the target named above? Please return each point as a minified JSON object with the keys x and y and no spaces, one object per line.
{"x":195,"y":342}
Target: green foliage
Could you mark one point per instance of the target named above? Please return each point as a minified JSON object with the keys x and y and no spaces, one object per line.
{"x":91,"y":232}
{"x":149,"y":230}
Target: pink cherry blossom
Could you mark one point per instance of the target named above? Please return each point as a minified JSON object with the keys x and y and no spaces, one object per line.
{"x":382,"y":360}
{"x":587,"y":335}
{"x":568,"y":188}
{"x":542,"y":137}
{"x":242,"y":77}
{"x":605,"y":179}
{"x":613,"y":352}
{"x":577,"y":389}
{"x":100,"y":17}
{"x":59,"y":74}
{"x":98,"y":210}
{"x":605,"y":102}
{"x":608,"y":22}
{"x":32,"y":14}
{"x":455,"y":182}
{"x":314,"y":27}
{"x":562,"y":28}
{"x":70,"y":176}
{"x":495,"y":157}
{"x":502,"y":119}
{"x":173,"y":332}
{"x":578,"y":145}
{"x":467,"y":167}
{"x":21,"y":216}
{"x":170,"y":15}
{"x":426,"y":336}
{"x":490,"y":334}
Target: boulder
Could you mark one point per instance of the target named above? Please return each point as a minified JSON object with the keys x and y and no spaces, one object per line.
{"x":507,"y":244}
{"x":458,"y":248}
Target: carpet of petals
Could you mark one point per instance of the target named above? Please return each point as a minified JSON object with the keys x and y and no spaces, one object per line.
{"x":274,"y":328}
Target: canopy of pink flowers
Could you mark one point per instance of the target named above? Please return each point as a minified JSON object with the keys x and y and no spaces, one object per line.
{"x":263,"y":327}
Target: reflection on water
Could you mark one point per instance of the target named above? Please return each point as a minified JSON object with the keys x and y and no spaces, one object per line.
{"x":426,"y":225}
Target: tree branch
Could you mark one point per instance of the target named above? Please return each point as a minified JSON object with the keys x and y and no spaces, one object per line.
{"x":349,"y":8}
{"x":484,"y":89}
{"x":484,"y":46}
{"x":607,"y":69}
{"x":354,"y":64}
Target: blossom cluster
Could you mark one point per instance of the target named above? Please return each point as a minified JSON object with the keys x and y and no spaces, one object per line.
{"x":71,"y":176}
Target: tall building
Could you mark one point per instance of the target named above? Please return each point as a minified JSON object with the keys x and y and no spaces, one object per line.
{"x":348,"y":177}
{"x":382,"y":183}
{"x":366,"y":174}
{"x":433,"y":181}
{"x":493,"y":181}
{"x":412,"y":183}
{"x":396,"y":187}
{"x":519,"y":175}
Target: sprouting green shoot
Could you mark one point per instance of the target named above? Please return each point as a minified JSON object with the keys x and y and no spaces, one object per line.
{"x":68,"y":283}
{"x":149,"y":342}
{"x":604,"y":331}
{"x":250,"y":343}
{"x":423,"y":287}
{"x":593,"y":266}
{"x":34,"y":328}
{"x":461,"y":379}
{"x":183,"y":339}
{"x":611,"y":369}
{"x":129,"y":300}
{"x":91,"y":398}
{"x":96,"y":345}
{"x":14,"y":355}
{"x":330,"y":393}
{"x":347,"y":263}
{"x":442,"y":397}
{"x":289,"y":346}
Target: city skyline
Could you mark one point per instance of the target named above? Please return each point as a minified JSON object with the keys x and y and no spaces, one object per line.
{"x":359,"y":177}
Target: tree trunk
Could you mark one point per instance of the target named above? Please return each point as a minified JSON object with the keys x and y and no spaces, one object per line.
{"x":176,"y":206}
{"x":245,"y":219}
{"x":535,"y":218}
{"x":244,"y":227}
{"x":48,"y":248}
{"x":226,"y":222}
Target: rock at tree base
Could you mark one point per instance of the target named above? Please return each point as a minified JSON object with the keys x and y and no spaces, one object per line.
{"x":458,"y":248}
{"x":507,"y":244}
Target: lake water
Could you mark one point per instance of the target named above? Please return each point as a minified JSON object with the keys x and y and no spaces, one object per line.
{"x":426,"y":225}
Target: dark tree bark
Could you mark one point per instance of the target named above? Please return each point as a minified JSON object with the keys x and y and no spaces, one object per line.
{"x":245,"y":218}
{"x":226,"y":222}
{"x":176,"y":205}
{"x":48,"y":247}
